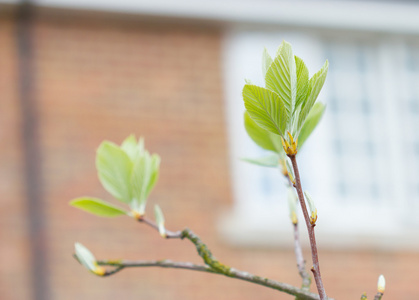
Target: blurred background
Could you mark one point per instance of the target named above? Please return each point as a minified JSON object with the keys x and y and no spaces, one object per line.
{"x":73,"y":73}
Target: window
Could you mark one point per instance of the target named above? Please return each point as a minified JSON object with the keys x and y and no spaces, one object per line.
{"x":361,"y":164}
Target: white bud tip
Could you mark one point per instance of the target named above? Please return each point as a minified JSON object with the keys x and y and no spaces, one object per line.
{"x":162,"y":230}
{"x":381,"y":285}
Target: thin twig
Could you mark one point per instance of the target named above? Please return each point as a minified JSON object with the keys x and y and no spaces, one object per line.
{"x":169,"y":234}
{"x":121,"y":264}
{"x":301,"y":263}
{"x":232,"y":273}
{"x":111,"y":272}
{"x":310,"y":229}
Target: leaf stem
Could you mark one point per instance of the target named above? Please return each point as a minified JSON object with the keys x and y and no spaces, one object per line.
{"x":310,"y":228}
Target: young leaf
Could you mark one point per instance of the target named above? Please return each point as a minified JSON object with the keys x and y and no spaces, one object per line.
{"x":264,"y":138}
{"x":97,"y":207}
{"x":159,"y":220}
{"x":130,"y":146}
{"x":381,"y":284}
{"x":278,"y":51}
{"x":311,"y":122}
{"x":281,"y":77}
{"x":155,"y":166}
{"x":144,"y":177}
{"x":86,"y":258}
{"x":114,"y":170}
{"x":265,"y":108}
{"x":139,"y":179}
{"x":312,"y":207}
{"x":302,"y":81}
{"x":292,"y":204}
{"x":316,"y":83}
{"x":266,"y":61}
{"x":266,"y":161}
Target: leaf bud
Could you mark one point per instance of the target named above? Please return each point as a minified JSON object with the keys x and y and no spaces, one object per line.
{"x":381,"y":285}
{"x":313,"y":209}
{"x":290,"y":147}
{"x":160,"y":220}
{"x":292,"y":203}
{"x":86,"y":258}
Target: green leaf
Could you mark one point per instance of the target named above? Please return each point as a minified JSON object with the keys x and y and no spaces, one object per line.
{"x":143,"y":179}
{"x":302,"y":81}
{"x":281,"y":77}
{"x":155,"y":166}
{"x":139,"y":179}
{"x":266,"y":161}
{"x":85,"y":257}
{"x":158,"y":214}
{"x":292,"y":204}
{"x":131,"y":147}
{"x":316,"y":83}
{"x":266,"y":61}
{"x":114,"y":169}
{"x":278,"y":51}
{"x":97,"y":207}
{"x":265,"y":139}
{"x":311,"y":122}
{"x":265,"y":108}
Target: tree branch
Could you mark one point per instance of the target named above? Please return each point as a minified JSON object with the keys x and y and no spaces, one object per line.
{"x":301,"y":262}
{"x":232,"y":273}
{"x":310,"y":229}
{"x":378,"y":296}
{"x":169,"y":234}
{"x":212,"y":265}
{"x":165,"y":263}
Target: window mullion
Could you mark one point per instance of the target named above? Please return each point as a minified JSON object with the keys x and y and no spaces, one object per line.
{"x":392,"y":127}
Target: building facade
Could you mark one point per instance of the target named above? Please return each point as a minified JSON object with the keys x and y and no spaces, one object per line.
{"x":172,"y":74}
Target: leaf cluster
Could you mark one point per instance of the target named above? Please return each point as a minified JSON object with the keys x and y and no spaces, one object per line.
{"x":128,"y":172}
{"x":286,"y":107}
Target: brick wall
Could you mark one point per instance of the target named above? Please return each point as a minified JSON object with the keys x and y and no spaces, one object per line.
{"x":101,"y":77}
{"x":104,"y":80}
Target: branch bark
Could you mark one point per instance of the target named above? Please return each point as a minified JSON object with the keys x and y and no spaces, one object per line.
{"x":169,"y":234}
{"x":310,"y":228}
{"x":232,"y":273}
{"x":301,"y":263}
{"x":212,"y":265}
